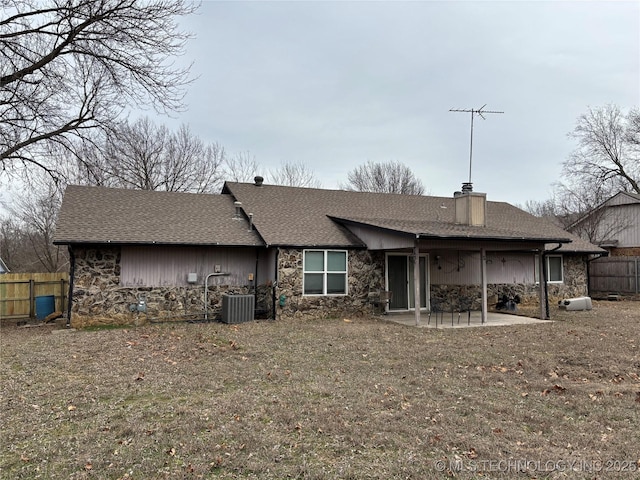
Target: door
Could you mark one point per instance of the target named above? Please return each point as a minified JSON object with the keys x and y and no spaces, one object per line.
{"x":400,"y":282}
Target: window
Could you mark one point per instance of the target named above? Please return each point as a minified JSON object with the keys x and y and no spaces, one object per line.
{"x":554,"y":269}
{"x":325,"y":272}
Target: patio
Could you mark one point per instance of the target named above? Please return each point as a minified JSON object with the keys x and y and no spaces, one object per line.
{"x":464,"y":320}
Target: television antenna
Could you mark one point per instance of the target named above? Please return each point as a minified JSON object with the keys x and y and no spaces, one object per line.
{"x":480,"y":112}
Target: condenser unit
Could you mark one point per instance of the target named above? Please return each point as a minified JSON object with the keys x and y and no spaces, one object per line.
{"x":238,"y":308}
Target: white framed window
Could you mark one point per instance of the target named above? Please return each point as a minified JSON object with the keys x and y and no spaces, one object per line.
{"x":555,"y":272}
{"x":324,"y":272}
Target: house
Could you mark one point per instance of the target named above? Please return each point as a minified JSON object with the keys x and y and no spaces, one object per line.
{"x":3,"y":267}
{"x":613,"y":225}
{"x":307,"y":252}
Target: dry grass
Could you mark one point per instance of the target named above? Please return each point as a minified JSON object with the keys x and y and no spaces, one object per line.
{"x":325,"y":399}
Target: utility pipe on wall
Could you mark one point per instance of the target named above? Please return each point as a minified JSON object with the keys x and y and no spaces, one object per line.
{"x":206,"y":290}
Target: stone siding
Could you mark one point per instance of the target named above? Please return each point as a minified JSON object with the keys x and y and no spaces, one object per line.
{"x":98,"y":298}
{"x":365,"y":281}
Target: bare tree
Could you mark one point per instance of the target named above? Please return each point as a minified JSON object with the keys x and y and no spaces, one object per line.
{"x":608,"y":150}
{"x":547,"y":209}
{"x":12,"y":244}
{"x":242,"y":167}
{"x":145,"y":156}
{"x":294,"y":175}
{"x":29,"y":235}
{"x":70,"y":67}
{"x":387,"y":177}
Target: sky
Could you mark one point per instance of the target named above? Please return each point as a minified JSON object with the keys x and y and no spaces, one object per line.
{"x":333,"y":85}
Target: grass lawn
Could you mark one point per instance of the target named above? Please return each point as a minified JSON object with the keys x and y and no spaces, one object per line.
{"x":335,"y":398}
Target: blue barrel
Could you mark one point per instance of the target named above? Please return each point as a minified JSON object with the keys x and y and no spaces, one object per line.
{"x":45,"y":306}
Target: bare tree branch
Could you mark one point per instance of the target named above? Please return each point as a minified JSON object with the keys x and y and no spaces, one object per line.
{"x":294,"y":175}
{"x":71,"y":66}
{"x":388,"y":177}
{"x":607,"y":151}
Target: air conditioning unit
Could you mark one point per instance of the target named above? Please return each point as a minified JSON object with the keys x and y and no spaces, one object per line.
{"x":238,"y":308}
{"x":579,"y":303}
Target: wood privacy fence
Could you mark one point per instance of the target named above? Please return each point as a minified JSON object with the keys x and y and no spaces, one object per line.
{"x":19,"y":293}
{"x":615,"y":275}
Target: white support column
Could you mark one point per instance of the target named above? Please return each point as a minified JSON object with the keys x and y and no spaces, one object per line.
{"x":483,"y":278}
{"x":416,"y":280}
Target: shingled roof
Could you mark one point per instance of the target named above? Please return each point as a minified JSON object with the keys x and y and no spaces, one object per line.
{"x":283,"y":216}
{"x":98,"y":215}
{"x":312,"y":217}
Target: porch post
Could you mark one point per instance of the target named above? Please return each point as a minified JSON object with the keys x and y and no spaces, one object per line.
{"x":483,"y":277}
{"x":416,"y":280}
{"x":542,"y":281}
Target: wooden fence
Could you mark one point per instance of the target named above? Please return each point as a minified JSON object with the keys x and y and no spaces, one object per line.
{"x":615,"y":275}
{"x":19,"y":291}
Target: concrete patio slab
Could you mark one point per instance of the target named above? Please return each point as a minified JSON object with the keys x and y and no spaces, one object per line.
{"x":447,"y":320}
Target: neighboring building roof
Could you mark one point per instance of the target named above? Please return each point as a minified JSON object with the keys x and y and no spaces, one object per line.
{"x":3,"y":267}
{"x":105,"y":215}
{"x":619,"y":199}
{"x":291,"y":216}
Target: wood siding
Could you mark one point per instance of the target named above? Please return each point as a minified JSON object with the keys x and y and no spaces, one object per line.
{"x":170,"y":266}
{"x":463,"y":268}
{"x":624,"y":222}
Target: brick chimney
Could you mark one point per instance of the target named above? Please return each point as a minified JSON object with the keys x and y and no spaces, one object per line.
{"x":470,"y":207}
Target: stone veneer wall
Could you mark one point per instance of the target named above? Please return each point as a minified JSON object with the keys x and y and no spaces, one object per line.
{"x":98,"y":298}
{"x":365,"y":281}
{"x":574,"y":285}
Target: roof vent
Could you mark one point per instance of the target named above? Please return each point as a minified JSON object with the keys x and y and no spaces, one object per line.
{"x":258,"y":181}
{"x":238,"y":214}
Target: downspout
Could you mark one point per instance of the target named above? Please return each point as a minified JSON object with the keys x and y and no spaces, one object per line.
{"x":255,"y":280}
{"x":72,"y":272}
{"x":275,"y":285}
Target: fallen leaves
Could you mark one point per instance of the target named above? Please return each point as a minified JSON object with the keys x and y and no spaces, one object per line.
{"x":557,"y":388}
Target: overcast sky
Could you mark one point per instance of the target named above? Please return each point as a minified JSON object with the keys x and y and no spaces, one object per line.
{"x":336,"y":84}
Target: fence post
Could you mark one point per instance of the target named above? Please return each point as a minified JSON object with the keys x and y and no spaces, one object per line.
{"x":32,"y":299}
{"x":637,"y":276}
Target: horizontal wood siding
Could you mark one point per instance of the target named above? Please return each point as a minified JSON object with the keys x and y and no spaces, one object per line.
{"x":170,"y":266}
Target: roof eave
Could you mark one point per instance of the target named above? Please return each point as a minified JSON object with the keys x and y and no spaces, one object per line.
{"x":156,"y":244}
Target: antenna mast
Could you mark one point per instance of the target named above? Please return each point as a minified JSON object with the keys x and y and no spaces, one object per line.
{"x":480,"y":112}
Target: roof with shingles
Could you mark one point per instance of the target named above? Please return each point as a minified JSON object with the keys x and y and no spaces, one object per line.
{"x":283,"y":216}
{"x":119,"y":216}
{"x":312,"y":217}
